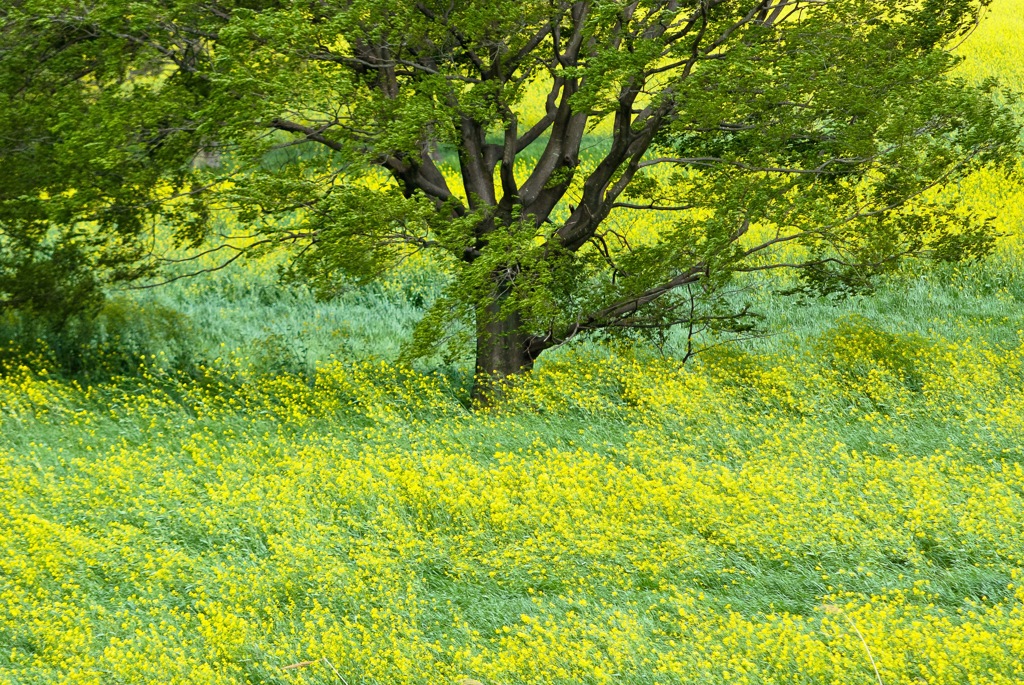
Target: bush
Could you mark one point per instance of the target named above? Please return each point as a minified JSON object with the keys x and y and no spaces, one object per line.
{"x":113,"y":341}
{"x":860,"y":352}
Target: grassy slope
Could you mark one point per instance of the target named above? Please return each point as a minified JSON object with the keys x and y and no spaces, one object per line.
{"x":621,"y":520}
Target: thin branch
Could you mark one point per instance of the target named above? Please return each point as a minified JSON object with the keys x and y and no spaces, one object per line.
{"x":821,"y":169}
{"x":290,"y":236}
{"x":550,"y":110}
{"x":191,"y":274}
{"x":313,"y":134}
{"x":652,"y":206}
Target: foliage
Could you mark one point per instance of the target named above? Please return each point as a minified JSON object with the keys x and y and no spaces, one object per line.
{"x":86,"y":151}
{"x":48,"y":288}
{"x":824,"y":127}
{"x":121,"y":335}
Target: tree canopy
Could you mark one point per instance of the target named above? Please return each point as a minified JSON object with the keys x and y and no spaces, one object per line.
{"x":812,"y":135}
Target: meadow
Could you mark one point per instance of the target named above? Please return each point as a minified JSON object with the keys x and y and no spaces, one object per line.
{"x":234,"y":482}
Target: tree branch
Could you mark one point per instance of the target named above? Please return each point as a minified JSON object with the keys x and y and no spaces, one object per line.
{"x":313,"y":134}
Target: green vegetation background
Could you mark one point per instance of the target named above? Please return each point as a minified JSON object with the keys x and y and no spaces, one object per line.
{"x":227,"y":478}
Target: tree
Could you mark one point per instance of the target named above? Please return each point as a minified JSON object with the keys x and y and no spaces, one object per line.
{"x":812,"y":135}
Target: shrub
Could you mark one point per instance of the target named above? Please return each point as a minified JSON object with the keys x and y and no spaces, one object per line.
{"x":114,"y":341}
{"x":861,"y":353}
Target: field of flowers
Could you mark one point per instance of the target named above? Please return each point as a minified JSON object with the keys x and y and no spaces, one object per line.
{"x":840,"y":502}
{"x":756,"y":519}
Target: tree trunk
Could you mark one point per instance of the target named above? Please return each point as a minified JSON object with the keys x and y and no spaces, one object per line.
{"x":502,"y":350}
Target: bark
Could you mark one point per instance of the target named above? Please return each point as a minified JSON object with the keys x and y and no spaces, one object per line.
{"x":502,"y":349}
